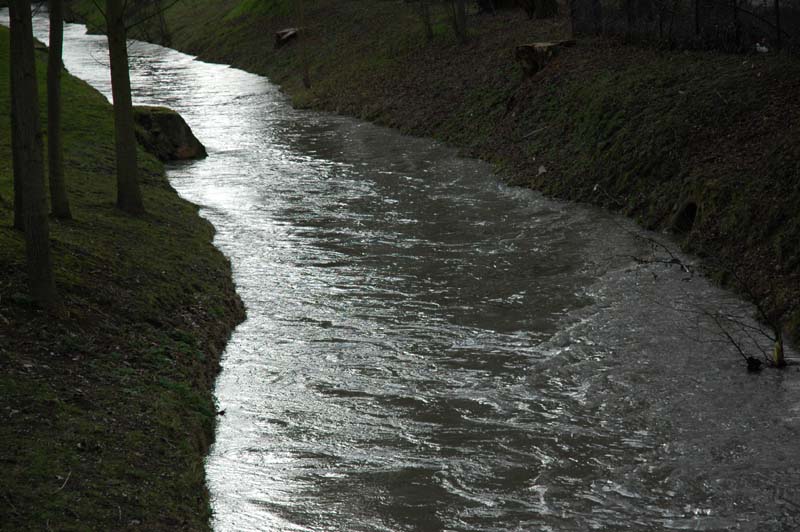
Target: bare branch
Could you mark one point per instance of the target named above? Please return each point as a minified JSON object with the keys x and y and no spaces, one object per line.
{"x":725,"y":332}
{"x":100,"y":10}
{"x":64,"y":484}
{"x":151,"y":15}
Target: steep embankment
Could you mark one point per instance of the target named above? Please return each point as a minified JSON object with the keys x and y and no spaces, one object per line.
{"x":704,"y":144}
{"x":105,"y":404}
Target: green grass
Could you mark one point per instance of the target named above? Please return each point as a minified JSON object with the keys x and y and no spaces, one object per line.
{"x":107,"y":408}
{"x":247,"y":8}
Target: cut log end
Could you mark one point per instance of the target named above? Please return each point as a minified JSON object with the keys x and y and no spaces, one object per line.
{"x":533,"y":57}
{"x":284,"y":36}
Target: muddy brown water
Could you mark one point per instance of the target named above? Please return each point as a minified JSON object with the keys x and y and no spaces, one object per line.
{"x":428,"y":349}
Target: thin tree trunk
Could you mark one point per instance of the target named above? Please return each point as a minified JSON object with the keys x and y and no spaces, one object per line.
{"x":425,"y":14}
{"x":778,"y":29}
{"x":697,"y":18}
{"x":597,"y":16}
{"x":529,"y":6}
{"x":129,"y":195}
{"x":546,"y":8}
{"x":303,"y":37}
{"x":571,"y":8}
{"x":778,"y":356}
{"x":629,"y":18}
{"x":166,"y":38}
{"x":16,"y":157}
{"x":59,"y":201}
{"x":31,"y":163}
{"x":458,"y":16}
{"x":461,"y":19}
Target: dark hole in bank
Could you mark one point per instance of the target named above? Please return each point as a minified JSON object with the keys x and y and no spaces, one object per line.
{"x":684,"y":218}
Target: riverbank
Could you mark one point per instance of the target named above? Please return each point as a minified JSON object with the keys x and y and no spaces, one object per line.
{"x":697,"y":143}
{"x":107,"y":408}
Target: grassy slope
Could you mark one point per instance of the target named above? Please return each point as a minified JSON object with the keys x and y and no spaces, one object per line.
{"x":638,"y":130}
{"x":106,"y":408}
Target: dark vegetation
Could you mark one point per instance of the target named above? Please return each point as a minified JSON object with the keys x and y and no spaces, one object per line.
{"x":106,"y":408}
{"x":730,"y":25}
{"x":700,"y":143}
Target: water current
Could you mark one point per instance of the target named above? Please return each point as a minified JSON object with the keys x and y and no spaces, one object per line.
{"x":428,"y":349}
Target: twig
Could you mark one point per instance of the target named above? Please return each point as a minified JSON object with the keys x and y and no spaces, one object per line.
{"x":739,"y":324}
{"x":10,"y":503}
{"x":614,"y":201}
{"x":673,"y":259}
{"x":158,"y":11}
{"x":535,"y":131}
{"x":727,"y":335}
{"x":100,"y":10}
{"x":64,"y":484}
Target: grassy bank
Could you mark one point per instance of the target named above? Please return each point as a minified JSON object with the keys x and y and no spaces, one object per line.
{"x":105,"y":404}
{"x":703,"y":144}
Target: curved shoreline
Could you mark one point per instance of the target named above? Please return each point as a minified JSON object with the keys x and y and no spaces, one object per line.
{"x":107,"y":403}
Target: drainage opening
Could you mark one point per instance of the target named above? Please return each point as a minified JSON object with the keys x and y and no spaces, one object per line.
{"x":684,"y":218}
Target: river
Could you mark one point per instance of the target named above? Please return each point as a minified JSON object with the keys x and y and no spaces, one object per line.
{"x":427,"y":349}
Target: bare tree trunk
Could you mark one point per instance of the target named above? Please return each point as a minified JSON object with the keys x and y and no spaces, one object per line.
{"x":302,"y":35}
{"x":425,"y":15}
{"x":59,"y":201}
{"x":29,"y":149}
{"x":697,"y":18}
{"x":461,"y":18}
{"x":673,"y":15}
{"x":597,"y":16}
{"x":778,"y":29}
{"x":628,"y":4}
{"x":546,"y":8}
{"x":458,"y":14}
{"x":16,"y":157}
{"x":129,"y":195}
{"x":571,"y":8}
{"x":166,"y":38}
{"x":778,"y":357}
{"x":529,"y":6}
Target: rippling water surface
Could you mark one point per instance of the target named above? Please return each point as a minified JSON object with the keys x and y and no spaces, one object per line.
{"x":427,"y":349}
